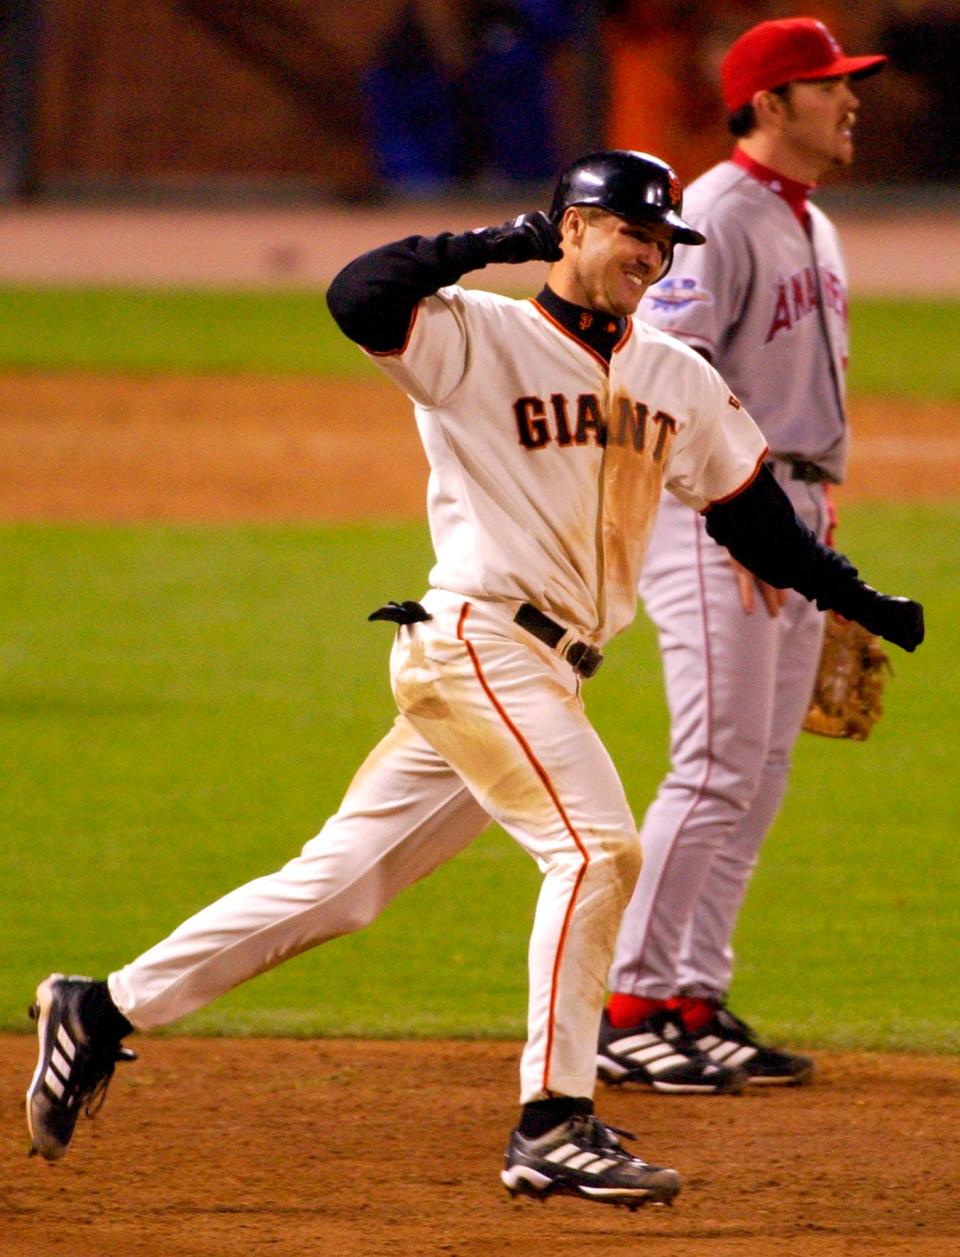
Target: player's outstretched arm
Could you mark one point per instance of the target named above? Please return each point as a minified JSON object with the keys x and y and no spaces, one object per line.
{"x":762,"y":531}
{"x":373,"y":298}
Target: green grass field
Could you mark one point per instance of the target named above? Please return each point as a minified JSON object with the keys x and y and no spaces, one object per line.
{"x":898,"y":348}
{"x":181,"y":707}
{"x":119,"y":329}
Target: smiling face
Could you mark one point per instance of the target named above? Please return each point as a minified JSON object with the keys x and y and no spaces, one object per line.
{"x":608,"y":263}
{"x":812,"y":127}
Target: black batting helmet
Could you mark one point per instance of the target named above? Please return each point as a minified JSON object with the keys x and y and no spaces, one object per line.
{"x":634,"y":186}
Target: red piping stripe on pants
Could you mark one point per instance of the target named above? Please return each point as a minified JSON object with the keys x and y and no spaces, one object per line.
{"x":700,"y":792}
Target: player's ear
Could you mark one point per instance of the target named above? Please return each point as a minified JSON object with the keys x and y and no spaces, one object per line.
{"x":572,"y":225}
{"x":769,"y":108}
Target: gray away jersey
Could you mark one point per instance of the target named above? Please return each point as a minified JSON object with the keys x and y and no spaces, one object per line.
{"x":749,"y":297}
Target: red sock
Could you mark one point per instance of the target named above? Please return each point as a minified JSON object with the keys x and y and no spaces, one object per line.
{"x":628,"y":1010}
{"x":695,"y":1012}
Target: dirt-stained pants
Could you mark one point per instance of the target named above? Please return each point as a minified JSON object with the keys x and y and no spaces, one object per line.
{"x":491,"y":725}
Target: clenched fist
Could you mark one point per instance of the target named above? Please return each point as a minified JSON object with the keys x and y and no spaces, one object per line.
{"x":899,"y":620}
{"x":526,"y":238}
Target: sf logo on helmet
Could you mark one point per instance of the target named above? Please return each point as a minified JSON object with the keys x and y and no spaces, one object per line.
{"x":676,"y":189}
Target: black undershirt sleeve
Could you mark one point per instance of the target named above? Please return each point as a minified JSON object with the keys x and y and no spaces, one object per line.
{"x":762,"y":531}
{"x":374,"y":297}
{"x":373,"y":300}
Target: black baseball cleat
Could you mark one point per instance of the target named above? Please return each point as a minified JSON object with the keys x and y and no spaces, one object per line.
{"x":74,"y":1066}
{"x":659,"y":1052}
{"x":583,"y":1157}
{"x":729,"y":1041}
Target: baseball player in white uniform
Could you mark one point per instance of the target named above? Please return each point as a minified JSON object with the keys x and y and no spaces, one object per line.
{"x":765,"y":300}
{"x":551,"y":427}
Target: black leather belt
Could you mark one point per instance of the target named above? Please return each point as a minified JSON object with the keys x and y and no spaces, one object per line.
{"x":581,"y":656}
{"x":801,"y":469}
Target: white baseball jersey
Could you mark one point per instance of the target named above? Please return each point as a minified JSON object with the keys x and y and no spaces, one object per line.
{"x":755,"y":310}
{"x":546,"y":468}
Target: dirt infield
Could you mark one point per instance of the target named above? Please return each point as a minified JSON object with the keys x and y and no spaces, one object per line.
{"x":76,"y":447}
{"x":215,"y":1147}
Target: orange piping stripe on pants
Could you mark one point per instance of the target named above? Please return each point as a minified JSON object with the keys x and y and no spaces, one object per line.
{"x":549,"y":787}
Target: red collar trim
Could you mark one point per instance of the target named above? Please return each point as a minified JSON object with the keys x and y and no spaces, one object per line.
{"x":790,"y":190}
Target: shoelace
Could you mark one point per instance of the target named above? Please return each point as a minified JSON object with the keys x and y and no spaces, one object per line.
{"x":684,"y":1040}
{"x":589,"y":1128}
{"x":91,"y":1095}
{"x":730,"y":1021}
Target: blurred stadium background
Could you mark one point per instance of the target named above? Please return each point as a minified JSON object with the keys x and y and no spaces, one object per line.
{"x":295,"y":107}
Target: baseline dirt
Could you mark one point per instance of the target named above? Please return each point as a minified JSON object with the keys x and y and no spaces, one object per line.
{"x":79,"y":447}
{"x":364,"y":1149}
{"x":209,"y":1148}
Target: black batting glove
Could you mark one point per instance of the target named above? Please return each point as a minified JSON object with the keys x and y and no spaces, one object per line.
{"x":898,"y":620}
{"x":526,"y":238}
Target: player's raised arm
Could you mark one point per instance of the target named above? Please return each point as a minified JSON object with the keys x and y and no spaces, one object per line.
{"x":762,"y":531}
{"x":374,"y":297}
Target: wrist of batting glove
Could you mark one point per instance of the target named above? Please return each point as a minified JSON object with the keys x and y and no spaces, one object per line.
{"x":898,"y":620}
{"x":526,"y":238}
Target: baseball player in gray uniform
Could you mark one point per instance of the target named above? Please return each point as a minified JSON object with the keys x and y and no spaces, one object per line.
{"x":765,"y":300}
{"x":551,"y":427}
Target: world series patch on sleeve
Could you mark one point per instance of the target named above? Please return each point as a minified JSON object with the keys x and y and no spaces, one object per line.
{"x":848,"y":692}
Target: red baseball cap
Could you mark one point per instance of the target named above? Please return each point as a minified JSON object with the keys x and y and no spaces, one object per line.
{"x":784,"y":51}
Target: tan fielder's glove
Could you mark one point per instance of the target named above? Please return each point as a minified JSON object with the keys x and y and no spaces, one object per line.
{"x":853,"y":670}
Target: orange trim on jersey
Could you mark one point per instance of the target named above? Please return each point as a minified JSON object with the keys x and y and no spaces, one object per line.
{"x":576,"y":339}
{"x":541,"y":772}
{"x":397,"y":353}
{"x":833,"y":520}
{"x":746,"y":484}
{"x":628,"y":332}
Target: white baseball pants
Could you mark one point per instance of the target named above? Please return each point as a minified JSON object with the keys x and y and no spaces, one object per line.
{"x":491,"y":725}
